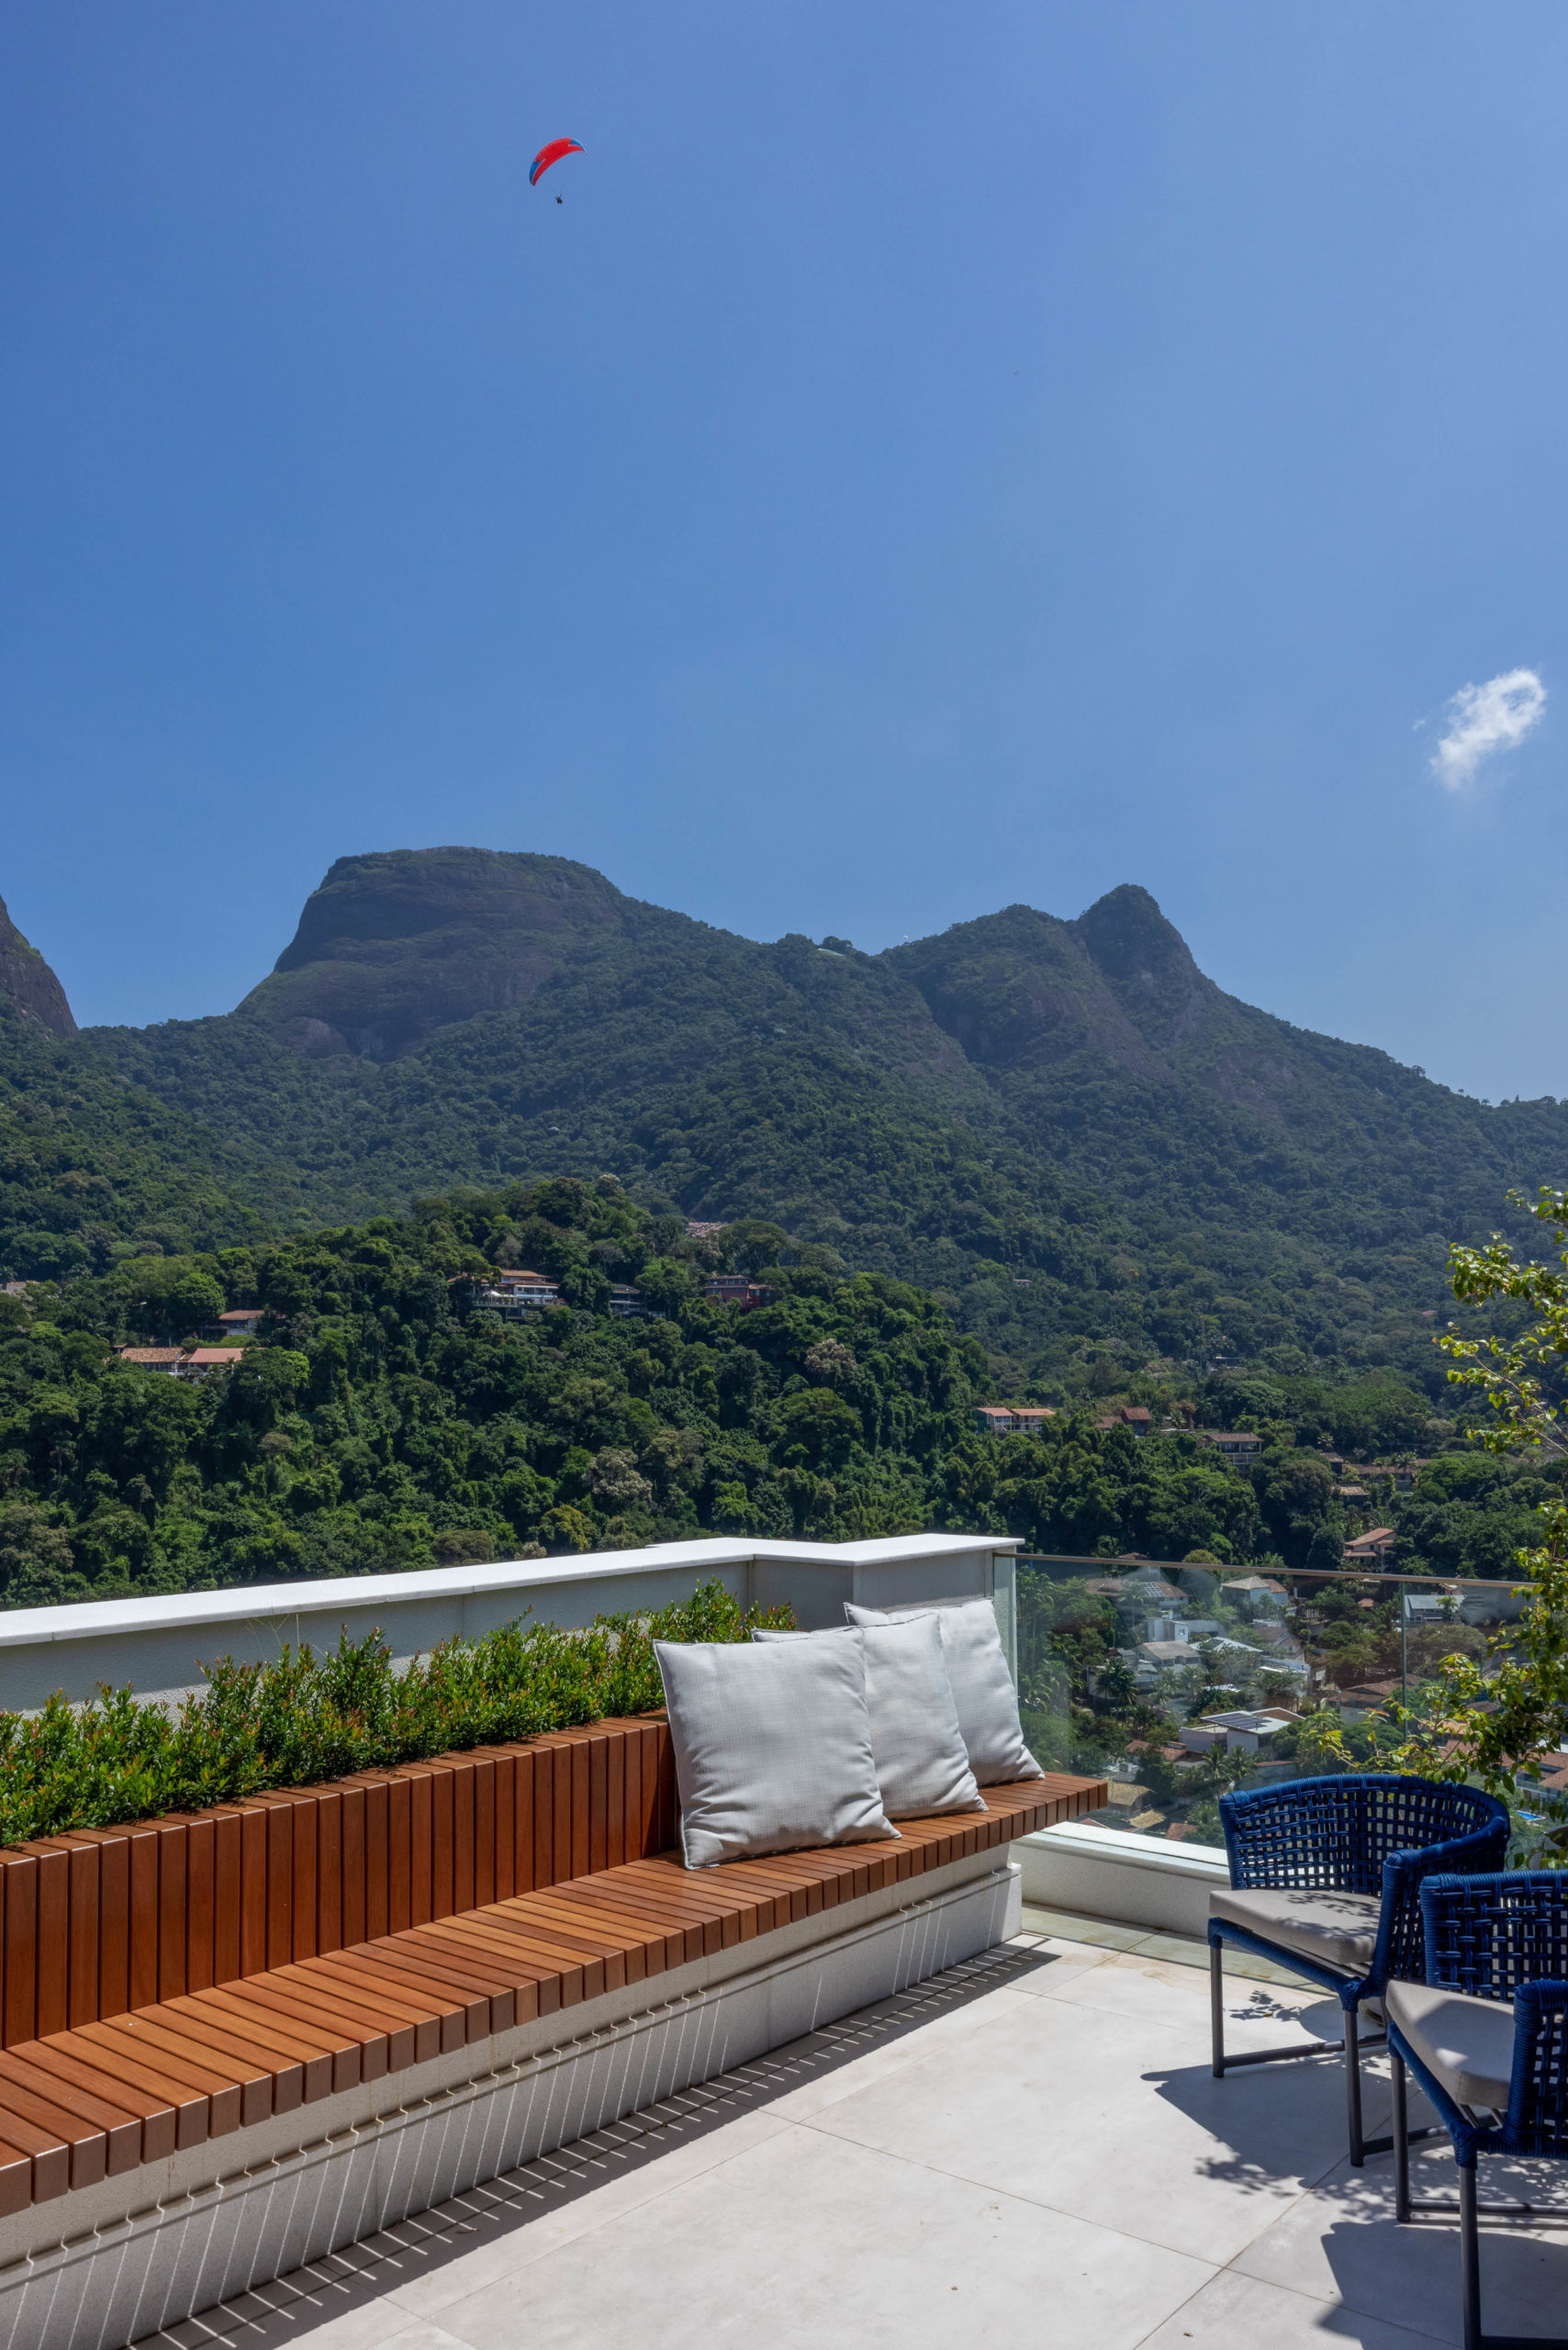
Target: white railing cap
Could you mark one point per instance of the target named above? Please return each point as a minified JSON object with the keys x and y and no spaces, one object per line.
{"x":92,"y":1619}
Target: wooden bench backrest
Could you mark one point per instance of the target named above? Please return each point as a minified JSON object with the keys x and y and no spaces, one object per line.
{"x":103,"y":1921}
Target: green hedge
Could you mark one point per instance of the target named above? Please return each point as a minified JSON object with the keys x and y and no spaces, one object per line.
{"x":305,"y":1718}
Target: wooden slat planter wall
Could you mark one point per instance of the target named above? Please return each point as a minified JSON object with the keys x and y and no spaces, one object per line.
{"x":103,"y":1921}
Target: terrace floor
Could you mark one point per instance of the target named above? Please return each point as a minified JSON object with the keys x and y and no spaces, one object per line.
{"x":1028,"y":2149}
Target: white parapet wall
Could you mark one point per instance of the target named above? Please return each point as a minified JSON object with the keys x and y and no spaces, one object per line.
{"x":159,"y":1647}
{"x":1126,"y":1879}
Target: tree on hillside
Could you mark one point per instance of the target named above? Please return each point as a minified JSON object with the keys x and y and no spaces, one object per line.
{"x":1500,"y":1714}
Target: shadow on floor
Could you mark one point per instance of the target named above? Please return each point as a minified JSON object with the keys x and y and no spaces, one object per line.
{"x":1410,"y":2275}
{"x":1273,"y":2122}
{"x":273,"y":2314}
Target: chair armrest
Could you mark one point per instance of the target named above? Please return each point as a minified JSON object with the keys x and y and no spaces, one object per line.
{"x":1400,"y":1950}
{"x":1538,"y":2091}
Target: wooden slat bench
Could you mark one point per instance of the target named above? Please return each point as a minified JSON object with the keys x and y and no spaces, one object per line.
{"x":99,"y":2099}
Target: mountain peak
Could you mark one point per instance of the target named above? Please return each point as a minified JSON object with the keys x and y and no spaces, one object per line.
{"x":1148,"y":966}
{"x":397,"y":943}
{"x":1130,"y":938}
{"x":27,"y":982}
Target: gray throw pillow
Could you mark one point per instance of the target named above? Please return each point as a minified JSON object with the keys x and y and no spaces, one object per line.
{"x":772,"y":1747}
{"x":983,"y":1687}
{"x":922,"y":1762}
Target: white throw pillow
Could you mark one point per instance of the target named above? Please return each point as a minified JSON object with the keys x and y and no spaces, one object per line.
{"x":772,"y":1747}
{"x":923,"y":1764}
{"x":983,"y":1687}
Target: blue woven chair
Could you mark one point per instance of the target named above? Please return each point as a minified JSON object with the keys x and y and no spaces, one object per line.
{"x":1487,"y":2035}
{"x":1325,"y":1875}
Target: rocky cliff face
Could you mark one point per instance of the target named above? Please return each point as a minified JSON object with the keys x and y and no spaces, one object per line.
{"x":395,"y":944}
{"x":27,"y":982}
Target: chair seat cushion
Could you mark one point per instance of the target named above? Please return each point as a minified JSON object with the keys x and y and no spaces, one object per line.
{"x":1466,"y":2044}
{"x":1337,"y":1929}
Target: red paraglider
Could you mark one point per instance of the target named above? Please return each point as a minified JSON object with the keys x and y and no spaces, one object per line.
{"x":552,"y":155}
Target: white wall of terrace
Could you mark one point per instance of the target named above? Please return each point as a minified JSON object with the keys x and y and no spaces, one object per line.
{"x":159,"y":1646}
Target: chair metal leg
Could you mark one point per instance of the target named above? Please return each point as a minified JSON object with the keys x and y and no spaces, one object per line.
{"x":1469,"y":2210}
{"x":1469,"y":2258}
{"x":1222,"y":2061}
{"x":1361,"y":2147}
{"x":1353,"y":2087}
{"x":1401,"y":2142}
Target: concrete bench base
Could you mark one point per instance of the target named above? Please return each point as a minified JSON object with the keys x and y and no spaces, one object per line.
{"x":91,"y":2271}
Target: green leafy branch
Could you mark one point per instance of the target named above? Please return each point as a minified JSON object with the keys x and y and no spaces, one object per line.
{"x":1494,"y":1719}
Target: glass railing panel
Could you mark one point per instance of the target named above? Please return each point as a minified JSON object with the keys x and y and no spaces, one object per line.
{"x":1177,"y":1683}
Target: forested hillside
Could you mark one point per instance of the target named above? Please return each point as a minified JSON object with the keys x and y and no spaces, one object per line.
{"x":94,"y":1167}
{"x":1096,"y":1159}
{"x":376,"y":1423}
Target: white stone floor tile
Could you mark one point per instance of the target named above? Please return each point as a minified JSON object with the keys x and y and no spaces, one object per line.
{"x":1257,"y":2014}
{"x":933,"y":2041}
{"x":1108,"y":2117}
{"x":388,"y":2328}
{"x":606,"y":2206}
{"x":805,"y":2240}
{"x":1238,"y":2314}
{"x":1037,"y":2155}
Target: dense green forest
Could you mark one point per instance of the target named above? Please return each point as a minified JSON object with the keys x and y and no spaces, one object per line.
{"x":93,"y":1169}
{"x":1094,"y":1158}
{"x":378,"y":1422}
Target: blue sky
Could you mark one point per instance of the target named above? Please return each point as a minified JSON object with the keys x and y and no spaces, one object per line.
{"x":933,"y":457}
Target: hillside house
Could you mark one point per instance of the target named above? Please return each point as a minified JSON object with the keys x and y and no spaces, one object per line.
{"x":629,"y":1304}
{"x":511,"y":1293}
{"x":735,"y":1289}
{"x":1368,"y":1697}
{"x":1254,"y":1586}
{"x":200,"y":1360}
{"x":1180,"y":1627}
{"x":1238,"y":1446}
{"x":1013,"y":1419}
{"x":1237,"y":1733}
{"x":240,"y":1321}
{"x":534,"y":1289}
{"x":163,"y":1358}
{"x":1156,"y":1654}
{"x":1367,"y":1549}
{"x":1130,"y":1415}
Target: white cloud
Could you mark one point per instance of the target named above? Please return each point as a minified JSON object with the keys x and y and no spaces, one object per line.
{"x":1482,"y":719}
